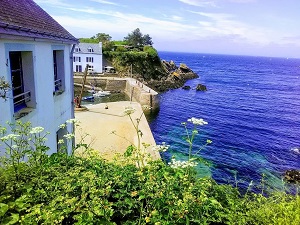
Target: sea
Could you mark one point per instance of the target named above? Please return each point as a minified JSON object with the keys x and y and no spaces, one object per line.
{"x":252,"y":106}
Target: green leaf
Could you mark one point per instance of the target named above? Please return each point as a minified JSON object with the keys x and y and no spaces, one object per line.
{"x":13,"y":219}
{"x":3,"y":209}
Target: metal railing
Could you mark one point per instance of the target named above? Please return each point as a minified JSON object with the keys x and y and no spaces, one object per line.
{"x":57,"y":84}
{"x":22,"y":98}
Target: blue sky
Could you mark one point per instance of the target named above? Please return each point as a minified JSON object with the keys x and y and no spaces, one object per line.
{"x":239,"y":27}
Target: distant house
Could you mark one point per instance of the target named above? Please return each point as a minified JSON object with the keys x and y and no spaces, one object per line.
{"x":36,"y":56}
{"x":88,"y":53}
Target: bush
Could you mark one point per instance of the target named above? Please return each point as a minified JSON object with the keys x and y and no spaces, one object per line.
{"x":68,"y":189}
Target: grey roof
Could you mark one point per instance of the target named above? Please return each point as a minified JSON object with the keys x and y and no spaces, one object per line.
{"x":85,"y":46}
{"x":25,"y":18}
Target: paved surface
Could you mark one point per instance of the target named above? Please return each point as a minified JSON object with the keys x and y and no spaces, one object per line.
{"x":100,"y":122}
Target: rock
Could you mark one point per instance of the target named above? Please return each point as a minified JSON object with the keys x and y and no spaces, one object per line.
{"x":186,"y":87}
{"x":292,"y":176}
{"x":201,"y":87}
{"x":175,"y":77}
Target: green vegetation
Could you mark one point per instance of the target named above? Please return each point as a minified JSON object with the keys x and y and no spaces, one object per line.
{"x":4,"y":87}
{"x":85,"y":189}
{"x":133,"y":55}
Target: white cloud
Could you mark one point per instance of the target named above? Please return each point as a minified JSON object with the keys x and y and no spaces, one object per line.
{"x":177,"y":18}
{"x":199,"y":3}
{"x":105,"y":2}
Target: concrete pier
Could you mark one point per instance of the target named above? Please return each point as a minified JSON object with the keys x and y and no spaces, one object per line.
{"x":102,"y":119}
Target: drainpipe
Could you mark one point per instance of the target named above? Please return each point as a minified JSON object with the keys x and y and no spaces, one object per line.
{"x":72,"y":80}
{"x":72,"y":92}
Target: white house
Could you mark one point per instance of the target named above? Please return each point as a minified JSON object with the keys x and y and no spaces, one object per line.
{"x":88,"y":53}
{"x":36,"y":55}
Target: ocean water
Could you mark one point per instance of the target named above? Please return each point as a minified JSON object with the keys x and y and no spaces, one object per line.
{"x":252,"y":107}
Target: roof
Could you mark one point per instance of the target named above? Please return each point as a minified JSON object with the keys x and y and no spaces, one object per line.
{"x":25,"y":18}
{"x":97,"y":48}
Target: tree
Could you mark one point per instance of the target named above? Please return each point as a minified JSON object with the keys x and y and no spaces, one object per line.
{"x":102,"y":37}
{"x":105,"y":39}
{"x":137,"y":39}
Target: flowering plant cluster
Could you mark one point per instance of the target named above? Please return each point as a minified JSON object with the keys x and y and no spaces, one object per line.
{"x":181,"y":164}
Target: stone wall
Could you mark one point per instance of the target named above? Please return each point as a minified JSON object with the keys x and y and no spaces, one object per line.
{"x":138,"y":92}
{"x":135,"y":90}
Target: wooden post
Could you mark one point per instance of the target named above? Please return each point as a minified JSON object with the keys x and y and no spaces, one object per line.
{"x":82,"y":87}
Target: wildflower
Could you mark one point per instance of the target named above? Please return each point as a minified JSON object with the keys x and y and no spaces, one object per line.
{"x":208,"y":141}
{"x":161,"y":148}
{"x":134,"y":193}
{"x":147,"y":219}
{"x":61,"y":141}
{"x":69,"y":136}
{"x":181,"y":164}
{"x":10,"y":137}
{"x":72,"y":121}
{"x":62,"y":126}
{"x":2,"y":130}
{"x":146,"y":107}
{"x":196,"y":121}
{"x":129,"y":110}
{"x":36,"y":130}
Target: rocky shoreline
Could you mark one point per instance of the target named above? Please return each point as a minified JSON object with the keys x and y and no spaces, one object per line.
{"x":176,"y":77}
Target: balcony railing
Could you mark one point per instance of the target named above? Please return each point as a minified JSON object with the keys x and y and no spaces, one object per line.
{"x":22,"y":98}
{"x":57,"y":84}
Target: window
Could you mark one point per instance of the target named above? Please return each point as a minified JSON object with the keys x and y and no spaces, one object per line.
{"x":90,"y":49}
{"x":78,"y":68}
{"x":22,"y":76}
{"x":77,"y":49}
{"x":89,"y":59}
{"x":76,"y":59}
{"x":58,"y":70}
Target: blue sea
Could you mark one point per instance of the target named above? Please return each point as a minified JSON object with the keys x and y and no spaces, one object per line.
{"x":252,"y":106}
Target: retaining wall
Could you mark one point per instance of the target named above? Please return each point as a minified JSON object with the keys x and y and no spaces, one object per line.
{"x":134,"y":89}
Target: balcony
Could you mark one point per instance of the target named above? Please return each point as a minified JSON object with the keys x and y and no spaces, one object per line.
{"x":20,"y":107}
{"x":58,"y":87}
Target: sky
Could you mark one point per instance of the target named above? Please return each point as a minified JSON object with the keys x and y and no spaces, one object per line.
{"x":236,"y":27}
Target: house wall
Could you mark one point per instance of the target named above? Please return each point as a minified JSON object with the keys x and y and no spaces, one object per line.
{"x":50,"y":110}
{"x":97,"y":64}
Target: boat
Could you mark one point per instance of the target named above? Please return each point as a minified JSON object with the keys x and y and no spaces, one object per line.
{"x":101,"y":93}
{"x":88,"y":98}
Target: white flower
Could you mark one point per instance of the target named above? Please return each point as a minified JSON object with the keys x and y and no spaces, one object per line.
{"x":69,"y":136}
{"x":62,"y":126}
{"x":73,"y":121}
{"x":182,"y":164}
{"x":196,"y":121}
{"x":161,"y":148}
{"x":129,"y":110}
{"x":61,"y":141}
{"x":36,"y":130}
{"x":10,"y":137}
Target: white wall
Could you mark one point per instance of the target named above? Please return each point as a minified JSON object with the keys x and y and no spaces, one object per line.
{"x":98,"y":65}
{"x":50,"y":110}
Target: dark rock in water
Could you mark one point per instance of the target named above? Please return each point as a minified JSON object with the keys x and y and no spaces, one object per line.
{"x":186,"y":87}
{"x":201,"y":87}
{"x":292,"y":176}
{"x":176,"y":77}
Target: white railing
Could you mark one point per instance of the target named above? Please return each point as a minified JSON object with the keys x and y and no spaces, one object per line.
{"x":57,"y":84}
{"x":24,"y":97}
